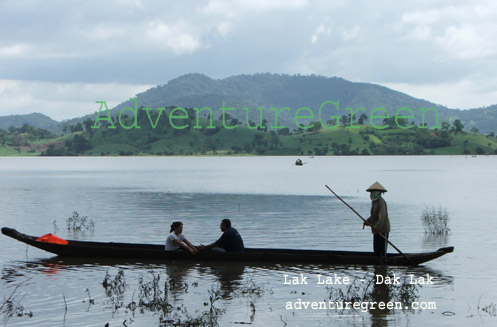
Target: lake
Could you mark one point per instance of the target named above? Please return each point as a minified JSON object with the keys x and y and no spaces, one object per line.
{"x":272,"y":203}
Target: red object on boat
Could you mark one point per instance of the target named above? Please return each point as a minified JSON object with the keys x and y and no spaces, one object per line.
{"x":51,"y":238}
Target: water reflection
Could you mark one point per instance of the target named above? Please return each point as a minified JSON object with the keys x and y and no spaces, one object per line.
{"x":431,"y":241}
{"x":380,"y":293}
{"x":226,"y":281}
{"x":134,"y":200}
{"x":229,"y":276}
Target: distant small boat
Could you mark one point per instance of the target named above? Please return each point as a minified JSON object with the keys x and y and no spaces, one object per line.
{"x":157,"y":252}
{"x":299,"y":162}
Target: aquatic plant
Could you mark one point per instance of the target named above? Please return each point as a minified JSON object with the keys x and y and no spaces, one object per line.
{"x":152,"y":297}
{"x":179,"y":316}
{"x":76,"y":223}
{"x":91,"y":301}
{"x":11,"y":306}
{"x":435,"y":221}
{"x":205,"y":319}
{"x":115,"y":288}
{"x":252,"y":312}
{"x":250,"y":288}
{"x":155,"y":295}
{"x":55,"y":227}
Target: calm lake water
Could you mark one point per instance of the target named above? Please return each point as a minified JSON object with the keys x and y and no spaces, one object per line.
{"x":272,"y":203}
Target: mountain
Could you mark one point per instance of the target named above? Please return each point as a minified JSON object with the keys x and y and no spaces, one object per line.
{"x":485,"y":119}
{"x":271,"y":90}
{"x":274,"y":90}
{"x":35,"y":119}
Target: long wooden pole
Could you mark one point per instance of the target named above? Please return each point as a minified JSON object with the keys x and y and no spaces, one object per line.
{"x":381,"y":234}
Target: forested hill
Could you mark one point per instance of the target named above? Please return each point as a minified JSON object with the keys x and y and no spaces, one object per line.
{"x":35,"y":119}
{"x":272,"y":90}
{"x":484,"y":119}
{"x":278,"y":91}
{"x":296,"y":91}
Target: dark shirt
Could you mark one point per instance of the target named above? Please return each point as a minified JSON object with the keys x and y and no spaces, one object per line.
{"x":231,"y":241}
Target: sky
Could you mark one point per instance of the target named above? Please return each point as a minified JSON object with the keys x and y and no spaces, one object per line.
{"x":59,"y":57}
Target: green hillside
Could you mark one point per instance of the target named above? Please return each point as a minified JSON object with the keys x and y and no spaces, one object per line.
{"x":35,"y":119}
{"x":268,"y":91}
{"x":274,"y":91}
{"x":295,"y":91}
{"x":206,"y":138}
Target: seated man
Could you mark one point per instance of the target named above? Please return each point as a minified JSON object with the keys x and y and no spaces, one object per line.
{"x":230,"y":241}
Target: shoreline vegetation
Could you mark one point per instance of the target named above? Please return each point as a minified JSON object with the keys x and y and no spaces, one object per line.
{"x":315,"y":139}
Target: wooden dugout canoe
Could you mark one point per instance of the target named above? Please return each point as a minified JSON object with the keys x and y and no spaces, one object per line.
{"x":151,"y":251}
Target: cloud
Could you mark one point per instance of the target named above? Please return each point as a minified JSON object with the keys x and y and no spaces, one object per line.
{"x":465,"y":93}
{"x":321,"y":29}
{"x":350,"y":34}
{"x":463,"y":31}
{"x":15,"y":50}
{"x":233,"y":9}
{"x":63,"y":100}
{"x":470,"y":42}
{"x":103,"y":32}
{"x":175,"y":38}
{"x":424,"y":45}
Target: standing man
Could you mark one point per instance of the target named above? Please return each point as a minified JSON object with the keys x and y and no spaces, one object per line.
{"x":379,"y":219}
{"x":230,"y":241}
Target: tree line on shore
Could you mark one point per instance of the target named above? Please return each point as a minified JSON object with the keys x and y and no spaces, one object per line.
{"x":82,"y":139}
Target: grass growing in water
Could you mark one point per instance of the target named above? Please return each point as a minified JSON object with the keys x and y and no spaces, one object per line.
{"x":76,"y":223}
{"x":154,"y":295}
{"x":11,"y":306}
{"x":115,"y":288}
{"x":435,"y":221}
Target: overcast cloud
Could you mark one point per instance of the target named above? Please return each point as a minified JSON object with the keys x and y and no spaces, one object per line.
{"x":59,"y":57}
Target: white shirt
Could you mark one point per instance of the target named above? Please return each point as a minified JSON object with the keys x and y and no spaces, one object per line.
{"x":170,"y":245}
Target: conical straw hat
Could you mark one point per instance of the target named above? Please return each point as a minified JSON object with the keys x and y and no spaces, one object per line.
{"x":376,"y":187}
